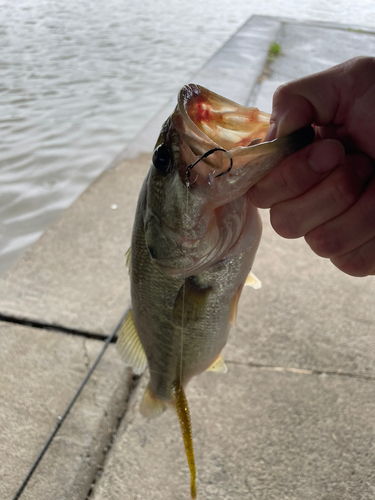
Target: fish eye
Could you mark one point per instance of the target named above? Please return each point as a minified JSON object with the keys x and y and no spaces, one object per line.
{"x":162,"y":159}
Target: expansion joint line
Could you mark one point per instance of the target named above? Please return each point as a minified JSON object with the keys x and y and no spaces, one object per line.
{"x":61,"y":419}
{"x":302,"y":371}
{"x":48,"y":326}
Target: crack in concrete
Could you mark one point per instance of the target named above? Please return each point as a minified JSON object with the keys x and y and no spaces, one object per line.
{"x":100,"y":465}
{"x":303,"y":371}
{"x":263,"y":75}
{"x":86,"y":354}
{"x":55,"y":328}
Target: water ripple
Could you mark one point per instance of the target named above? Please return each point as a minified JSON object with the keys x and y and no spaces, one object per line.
{"x":80,"y":78}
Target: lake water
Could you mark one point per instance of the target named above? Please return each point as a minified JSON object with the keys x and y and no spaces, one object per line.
{"x":80,"y":78}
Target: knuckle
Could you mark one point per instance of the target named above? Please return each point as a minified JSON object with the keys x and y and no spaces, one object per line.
{"x":258,"y":197}
{"x":287,"y":181}
{"x":285,"y":222}
{"x":281,"y":92}
{"x":361,"y":63}
{"x":282,"y":180}
{"x":291,"y":178}
{"x":354,"y":266}
{"x":343,"y":192}
{"x":325,"y":242}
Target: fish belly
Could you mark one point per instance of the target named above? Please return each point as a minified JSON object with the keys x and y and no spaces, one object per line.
{"x":183,"y":324}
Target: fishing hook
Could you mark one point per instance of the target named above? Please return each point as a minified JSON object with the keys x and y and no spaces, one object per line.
{"x":208,"y":153}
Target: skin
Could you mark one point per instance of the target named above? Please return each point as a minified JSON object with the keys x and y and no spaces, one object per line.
{"x":326,"y":192}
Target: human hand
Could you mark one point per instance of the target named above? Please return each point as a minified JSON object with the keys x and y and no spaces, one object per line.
{"x":326,"y":192}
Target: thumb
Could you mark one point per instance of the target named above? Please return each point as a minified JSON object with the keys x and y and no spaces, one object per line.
{"x":314,"y":99}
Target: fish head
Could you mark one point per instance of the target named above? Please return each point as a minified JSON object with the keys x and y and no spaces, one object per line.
{"x":209,"y":153}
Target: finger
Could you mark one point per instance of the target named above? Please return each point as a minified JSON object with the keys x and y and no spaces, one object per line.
{"x":312,"y":99}
{"x":333,"y":196}
{"x":348,"y":231}
{"x":359,"y":262}
{"x":297,"y":174}
{"x":322,"y":98}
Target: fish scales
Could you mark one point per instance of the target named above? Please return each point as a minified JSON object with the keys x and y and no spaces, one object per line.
{"x":194,"y":241}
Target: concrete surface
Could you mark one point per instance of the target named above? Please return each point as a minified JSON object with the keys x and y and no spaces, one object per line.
{"x":259,"y":435}
{"x":40,"y":373}
{"x":307,"y":313}
{"x":308,"y":48}
{"x":294,"y":416}
{"x":75,"y":275}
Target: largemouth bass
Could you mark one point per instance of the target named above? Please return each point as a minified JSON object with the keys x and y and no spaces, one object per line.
{"x":194,"y":241}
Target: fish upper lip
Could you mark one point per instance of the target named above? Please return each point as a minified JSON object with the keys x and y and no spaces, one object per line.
{"x":230,"y":127}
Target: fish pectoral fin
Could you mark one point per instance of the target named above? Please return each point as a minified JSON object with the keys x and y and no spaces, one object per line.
{"x":129,"y":345}
{"x":190,"y":301}
{"x":128,"y":256}
{"x":218,"y":366}
{"x":253,"y":281}
{"x":151,"y":406}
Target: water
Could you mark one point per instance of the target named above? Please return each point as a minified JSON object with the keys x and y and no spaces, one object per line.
{"x":80,"y":78}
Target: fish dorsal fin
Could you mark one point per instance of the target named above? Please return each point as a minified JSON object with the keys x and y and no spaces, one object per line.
{"x":253,"y":281}
{"x":183,"y":414}
{"x":218,"y":366}
{"x":151,"y":406}
{"x":129,"y":345}
{"x":128,"y":256}
{"x":191,"y":300}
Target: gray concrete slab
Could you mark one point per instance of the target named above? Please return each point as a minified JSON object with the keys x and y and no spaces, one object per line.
{"x":40,"y":373}
{"x":307,"y":48}
{"x":307,"y":315}
{"x":259,"y":434}
{"x":311,"y":315}
{"x":75,"y":274}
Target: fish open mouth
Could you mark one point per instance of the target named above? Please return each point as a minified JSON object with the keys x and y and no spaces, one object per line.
{"x":221,"y":136}
{"x":226,"y":123}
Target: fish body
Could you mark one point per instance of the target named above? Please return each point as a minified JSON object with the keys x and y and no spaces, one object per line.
{"x":194,"y":240}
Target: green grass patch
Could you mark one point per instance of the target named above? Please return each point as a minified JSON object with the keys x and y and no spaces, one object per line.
{"x":274,"y":51}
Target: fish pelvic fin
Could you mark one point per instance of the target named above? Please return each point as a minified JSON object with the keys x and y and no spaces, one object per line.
{"x":253,"y":281}
{"x":218,"y":365}
{"x":234,"y":308}
{"x":183,"y":414}
{"x":129,"y":345}
{"x":151,"y":406}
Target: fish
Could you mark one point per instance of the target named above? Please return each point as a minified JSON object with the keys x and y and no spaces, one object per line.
{"x":194,"y":241}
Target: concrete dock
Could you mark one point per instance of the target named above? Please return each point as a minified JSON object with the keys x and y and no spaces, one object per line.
{"x":294,"y":417}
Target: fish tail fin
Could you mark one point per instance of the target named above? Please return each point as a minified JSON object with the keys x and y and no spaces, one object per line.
{"x":183,"y":414}
{"x":152,"y":406}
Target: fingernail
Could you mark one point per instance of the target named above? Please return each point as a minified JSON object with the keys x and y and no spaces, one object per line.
{"x":326,"y":155}
{"x":271,"y":134}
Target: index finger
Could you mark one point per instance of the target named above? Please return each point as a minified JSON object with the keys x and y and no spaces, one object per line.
{"x":297,"y":174}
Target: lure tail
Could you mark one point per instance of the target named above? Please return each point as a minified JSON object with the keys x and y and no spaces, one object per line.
{"x":183,"y":414}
